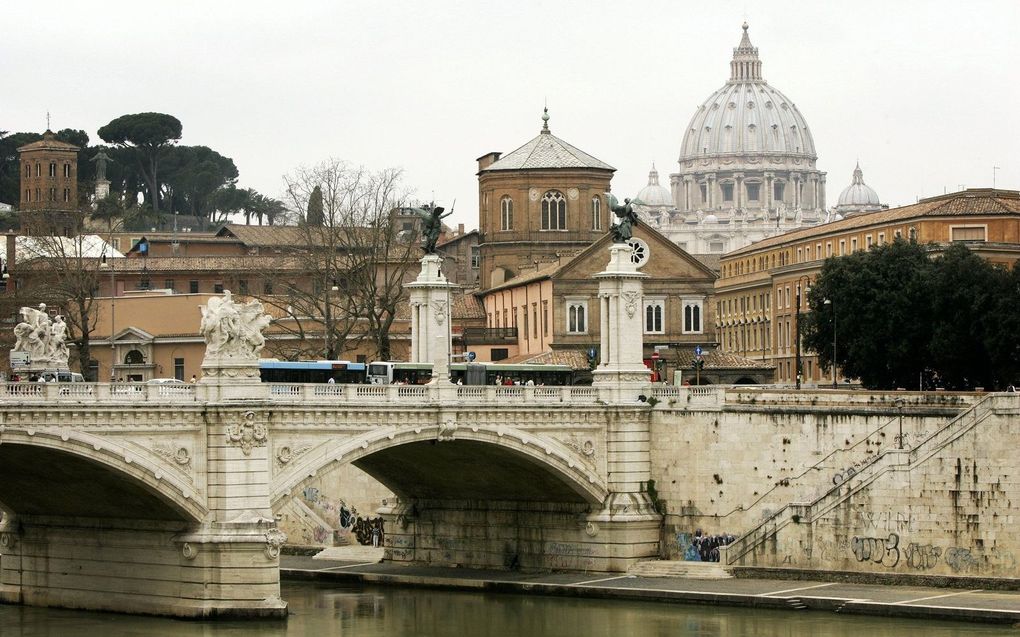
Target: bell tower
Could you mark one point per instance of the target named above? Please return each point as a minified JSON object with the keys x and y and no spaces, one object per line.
{"x":49,"y":186}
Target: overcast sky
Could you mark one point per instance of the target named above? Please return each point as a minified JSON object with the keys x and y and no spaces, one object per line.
{"x":924,"y":93}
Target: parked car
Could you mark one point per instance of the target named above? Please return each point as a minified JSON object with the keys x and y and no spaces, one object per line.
{"x":165,"y":381}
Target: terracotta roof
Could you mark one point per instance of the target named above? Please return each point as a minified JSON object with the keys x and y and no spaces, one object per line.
{"x":710,"y":261}
{"x":266,"y":236}
{"x":253,"y":264}
{"x":464,"y":306}
{"x":48,"y":142}
{"x":976,"y":201}
{"x":575,"y":358}
{"x":683,"y":358}
{"x":543,"y":272}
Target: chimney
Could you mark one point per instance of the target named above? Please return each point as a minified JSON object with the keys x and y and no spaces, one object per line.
{"x":460,"y":228}
{"x":11,"y":249}
{"x":487,"y":160}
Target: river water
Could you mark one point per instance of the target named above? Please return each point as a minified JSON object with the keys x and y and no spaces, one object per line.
{"x":331,"y":609}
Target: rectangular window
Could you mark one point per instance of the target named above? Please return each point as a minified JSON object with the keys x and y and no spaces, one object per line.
{"x":777,"y":191}
{"x":524,"y":311}
{"x":534,"y":318}
{"x":168,"y":284}
{"x":545,"y":318}
{"x":753,"y":192}
{"x":828,"y":249}
{"x":499,"y":354}
{"x":218,"y":287}
{"x":476,"y":257}
{"x":179,"y":368}
{"x":881,"y":238}
{"x":727,"y":192}
{"x":704,"y":193}
{"x":842,"y":247}
{"x":799,"y":255}
{"x":242,"y":286}
{"x":267,"y":287}
{"x":193,"y":287}
{"x":853,"y":245}
{"x":967,"y":233}
{"x":867,"y":242}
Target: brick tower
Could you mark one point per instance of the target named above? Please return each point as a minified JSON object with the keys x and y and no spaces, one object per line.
{"x":49,"y":186}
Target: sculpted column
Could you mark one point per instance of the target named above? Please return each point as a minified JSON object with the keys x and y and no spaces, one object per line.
{"x":628,"y":524}
{"x":234,"y":554}
{"x":430,"y":318}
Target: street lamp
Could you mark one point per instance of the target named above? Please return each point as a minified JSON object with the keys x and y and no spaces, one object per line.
{"x":113,"y":315}
{"x":799,"y":371}
{"x":833,"y":305}
{"x":328,"y":316}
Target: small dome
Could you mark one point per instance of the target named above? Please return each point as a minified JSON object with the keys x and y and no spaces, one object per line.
{"x":653,"y":195}
{"x":711,"y":219}
{"x":858,"y":193}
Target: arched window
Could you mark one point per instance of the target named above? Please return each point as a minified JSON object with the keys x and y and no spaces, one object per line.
{"x":506,"y":213}
{"x":692,"y":316}
{"x":53,"y":169}
{"x":134,"y":357}
{"x":67,"y":170}
{"x":653,"y":315}
{"x":38,"y":169}
{"x":554,"y":211}
{"x":596,"y":213}
{"x":28,"y":169}
{"x":577,"y":312}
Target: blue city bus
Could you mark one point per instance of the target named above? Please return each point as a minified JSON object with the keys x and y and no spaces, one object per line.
{"x":345,"y":372}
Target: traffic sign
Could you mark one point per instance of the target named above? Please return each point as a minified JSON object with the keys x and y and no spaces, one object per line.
{"x":697,"y":350}
{"x":655,"y":356}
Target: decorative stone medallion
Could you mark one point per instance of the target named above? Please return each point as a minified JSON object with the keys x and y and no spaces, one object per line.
{"x":533,"y":194}
{"x":439,"y":309}
{"x":630,"y":302}
{"x":275,"y":538}
{"x":572,"y":194}
{"x":248,"y":434}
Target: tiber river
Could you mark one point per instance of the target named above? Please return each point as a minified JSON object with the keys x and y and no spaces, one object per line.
{"x":331,"y":609}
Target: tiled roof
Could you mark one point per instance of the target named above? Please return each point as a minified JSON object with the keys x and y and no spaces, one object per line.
{"x":267,"y":236}
{"x":979,"y":201}
{"x":683,"y":358}
{"x":543,"y":272}
{"x":547,"y":151}
{"x":710,"y":261}
{"x":575,"y":358}
{"x":252,"y":264}
{"x":463,"y":306}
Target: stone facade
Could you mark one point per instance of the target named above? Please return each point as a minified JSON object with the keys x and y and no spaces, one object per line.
{"x":757,"y":290}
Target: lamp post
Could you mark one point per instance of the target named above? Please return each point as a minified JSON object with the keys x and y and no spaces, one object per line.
{"x":113,"y":314}
{"x":799,"y":371}
{"x":833,"y":306}
{"x":328,"y":316}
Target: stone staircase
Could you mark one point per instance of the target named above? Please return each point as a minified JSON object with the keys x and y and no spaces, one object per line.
{"x":889,"y":460}
{"x":678,"y":568}
{"x":351,"y":553}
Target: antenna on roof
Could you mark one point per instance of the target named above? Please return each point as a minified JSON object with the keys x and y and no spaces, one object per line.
{"x":995,"y":169}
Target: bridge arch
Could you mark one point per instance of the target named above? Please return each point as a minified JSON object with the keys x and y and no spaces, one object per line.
{"x":470,"y":462}
{"x":100,"y":477}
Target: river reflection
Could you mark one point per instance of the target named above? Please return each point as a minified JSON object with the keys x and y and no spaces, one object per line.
{"x":321,"y":609}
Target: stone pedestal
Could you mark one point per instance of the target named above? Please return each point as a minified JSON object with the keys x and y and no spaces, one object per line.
{"x":431,"y":307}
{"x":621,"y":367}
{"x":229,"y":379}
{"x":102,"y":189}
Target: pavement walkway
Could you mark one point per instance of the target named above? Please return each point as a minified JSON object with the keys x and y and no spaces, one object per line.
{"x":841,"y":597}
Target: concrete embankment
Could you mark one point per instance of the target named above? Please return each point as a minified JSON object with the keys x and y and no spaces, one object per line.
{"x":962,"y":604}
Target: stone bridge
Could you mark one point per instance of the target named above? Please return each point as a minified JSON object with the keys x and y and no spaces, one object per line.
{"x":161,"y":499}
